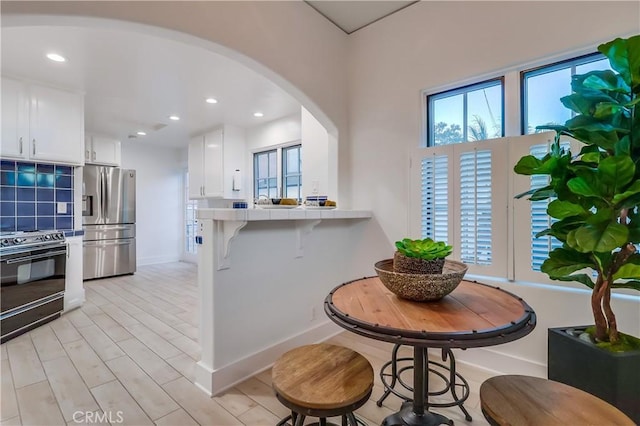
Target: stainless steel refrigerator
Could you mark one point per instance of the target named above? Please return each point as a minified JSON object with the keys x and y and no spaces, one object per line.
{"x":108,"y":221}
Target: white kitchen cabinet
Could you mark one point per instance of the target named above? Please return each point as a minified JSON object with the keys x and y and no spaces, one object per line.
{"x":196,"y":167}
{"x":41,"y":124}
{"x":213,"y":158}
{"x":102,"y":150}
{"x":15,"y":119}
{"x":74,"y":290}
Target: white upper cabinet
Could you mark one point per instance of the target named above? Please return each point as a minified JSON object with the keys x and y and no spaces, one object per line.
{"x":15,"y":119}
{"x":41,"y":123}
{"x":102,"y":150}
{"x":214,"y":164}
{"x":196,"y":167}
{"x":213,"y":157}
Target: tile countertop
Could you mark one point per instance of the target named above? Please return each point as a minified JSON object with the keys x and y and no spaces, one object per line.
{"x":257,"y":214}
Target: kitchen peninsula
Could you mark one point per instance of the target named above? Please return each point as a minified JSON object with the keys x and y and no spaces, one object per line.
{"x":263,"y":276}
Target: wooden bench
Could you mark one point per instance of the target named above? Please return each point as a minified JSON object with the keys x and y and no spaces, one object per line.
{"x":322,"y":381}
{"x":532,"y":401}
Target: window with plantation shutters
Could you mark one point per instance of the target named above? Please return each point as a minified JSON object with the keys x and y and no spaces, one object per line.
{"x":475,"y":207}
{"x":541,"y":246}
{"x":464,"y":204}
{"x":435,"y":198}
{"x":530,"y":217}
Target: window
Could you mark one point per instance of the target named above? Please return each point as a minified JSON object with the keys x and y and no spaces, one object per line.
{"x":543,"y":87}
{"x":540,"y":220}
{"x":265,"y":172}
{"x":530,"y":217}
{"x":435,"y":198}
{"x":464,"y":203}
{"x":466,"y":186}
{"x":469,"y":113}
{"x":292,"y":172}
{"x":475,"y":207}
{"x":278,"y":173}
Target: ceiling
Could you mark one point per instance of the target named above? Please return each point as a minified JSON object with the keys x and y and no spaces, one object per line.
{"x":133,"y":82}
{"x":350,"y":16}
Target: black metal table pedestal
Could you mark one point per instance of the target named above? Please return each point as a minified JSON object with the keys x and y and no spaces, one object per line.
{"x":451,"y":383}
{"x":413,"y":413}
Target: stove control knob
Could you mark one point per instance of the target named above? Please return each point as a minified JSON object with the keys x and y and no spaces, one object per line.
{"x":5,"y":242}
{"x":47,"y":237}
{"x":18,"y":240}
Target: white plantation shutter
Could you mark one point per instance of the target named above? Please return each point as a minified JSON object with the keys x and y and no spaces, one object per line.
{"x":540,"y":247}
{"x":464,"y":203}
{"x":466,"y":195}
{"x":435,"y":197}
{"x":530,"y":217}
{"x":475,"y":208}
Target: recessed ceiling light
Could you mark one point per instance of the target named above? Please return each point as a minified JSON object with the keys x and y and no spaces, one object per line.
{"x":258,"y":114}
{"x":211,"y":101}
{"x":142,"y":133}
{"x":174,"y":117}
{"x":56,"y":58}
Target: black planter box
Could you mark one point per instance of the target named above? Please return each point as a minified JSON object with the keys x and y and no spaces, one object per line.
{"x":613,"y":377}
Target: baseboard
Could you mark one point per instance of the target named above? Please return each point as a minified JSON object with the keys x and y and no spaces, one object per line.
{"x":215,"y":381}
{"x":220,"y":379}
{"x":142,"y":261}
{"x":75,"y":302}
{"x":499,"y":363}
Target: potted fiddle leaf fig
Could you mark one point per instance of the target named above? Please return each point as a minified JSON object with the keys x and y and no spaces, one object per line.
{"x":594,"y":199}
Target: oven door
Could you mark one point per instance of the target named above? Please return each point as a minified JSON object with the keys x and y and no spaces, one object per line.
{"x":31,"y":279}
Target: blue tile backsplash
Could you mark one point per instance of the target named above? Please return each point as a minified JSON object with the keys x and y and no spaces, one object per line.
{"x":29,"y":193}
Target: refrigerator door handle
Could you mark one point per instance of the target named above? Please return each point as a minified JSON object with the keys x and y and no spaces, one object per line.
{"x":107,"y":243}
{"x":107,"y":193}
{"x":103,"y":193}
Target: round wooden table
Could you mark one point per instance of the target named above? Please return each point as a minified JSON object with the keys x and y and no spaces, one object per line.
{"x":474,"y":315}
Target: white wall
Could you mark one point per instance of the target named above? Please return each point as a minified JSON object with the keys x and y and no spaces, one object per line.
{"x":316,"y":149}
{"x":276,"y":132}
{"x":159,"y":205}
{"x":434,"y":44}
{"x":315,"y":158}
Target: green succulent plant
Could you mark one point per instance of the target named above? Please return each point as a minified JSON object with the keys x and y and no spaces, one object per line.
{"x":424,"y":249}
{"x":595,"y":195}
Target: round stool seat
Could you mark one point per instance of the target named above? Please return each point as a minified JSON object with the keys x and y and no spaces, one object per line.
{"x":532,"y":401}
{"x":322,"y":377}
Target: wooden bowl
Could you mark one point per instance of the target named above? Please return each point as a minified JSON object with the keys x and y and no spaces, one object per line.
{"x":421,"y":287}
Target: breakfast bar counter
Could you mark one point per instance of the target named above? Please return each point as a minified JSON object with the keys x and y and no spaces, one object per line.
{"x":263,"y":275}
{"x":299,"y":213}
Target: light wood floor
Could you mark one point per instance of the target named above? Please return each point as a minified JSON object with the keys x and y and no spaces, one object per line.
{"x":128,"y":355}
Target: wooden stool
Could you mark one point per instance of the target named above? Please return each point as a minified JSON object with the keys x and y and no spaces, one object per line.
{"x":322,"y":381}
{"x":531,"y":401}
